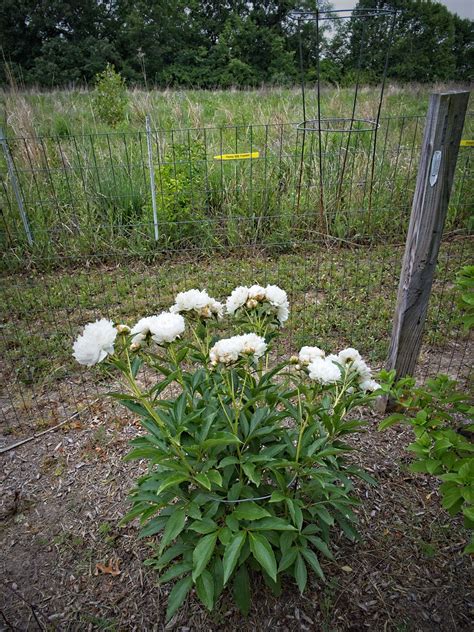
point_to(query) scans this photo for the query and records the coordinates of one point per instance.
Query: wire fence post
(152, 175)
(443, 129)
(16, 187)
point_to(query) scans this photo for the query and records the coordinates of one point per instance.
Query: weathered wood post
(444, 124)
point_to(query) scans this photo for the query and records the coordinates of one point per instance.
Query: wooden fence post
(443, 129)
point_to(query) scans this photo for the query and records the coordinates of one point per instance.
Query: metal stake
(16, 187)
(152, 176)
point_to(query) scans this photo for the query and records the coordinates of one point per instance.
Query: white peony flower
(276, 296)
(251, 343)
(252, 296)
(324, 371)
(165, 327)
(308, 354)
(362, 369)
(237, 298)
(216, 308)
(369, 385)
(228, 350)
(192, 299)
(141, 330)
(279, 299)
(349, 355)
(199, 301)
(282, 313)
(257, 292)
(95, 343)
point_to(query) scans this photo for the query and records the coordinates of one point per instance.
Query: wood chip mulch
(66, 565)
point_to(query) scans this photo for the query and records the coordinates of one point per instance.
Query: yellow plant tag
(245, 156)
(467, 143)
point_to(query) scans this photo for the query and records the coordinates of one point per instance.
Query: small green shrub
(110, 96)
(441, 417)
(465, 285)
(247, 459)
(181, 195)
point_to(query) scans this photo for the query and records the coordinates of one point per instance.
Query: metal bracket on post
(443, 129)
(152, 175)
(16, 186)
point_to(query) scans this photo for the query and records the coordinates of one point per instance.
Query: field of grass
(339, 297)
(29, 112)
(87, 188)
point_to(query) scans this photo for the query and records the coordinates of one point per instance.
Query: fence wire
(98, 248)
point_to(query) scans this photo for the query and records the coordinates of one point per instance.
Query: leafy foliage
(247, 462)
(110, 97)
(211, 43)
(441, 417)
(465, 285)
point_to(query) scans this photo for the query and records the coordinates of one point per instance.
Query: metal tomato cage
(363, 22)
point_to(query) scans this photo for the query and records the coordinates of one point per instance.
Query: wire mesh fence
(234, 205)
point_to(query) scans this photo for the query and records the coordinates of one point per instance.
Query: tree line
(222, 43)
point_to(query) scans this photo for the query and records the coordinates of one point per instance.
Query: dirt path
(65, 493)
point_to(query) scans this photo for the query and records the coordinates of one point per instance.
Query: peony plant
(247, 458)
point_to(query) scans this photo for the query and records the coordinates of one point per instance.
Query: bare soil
(64, 494)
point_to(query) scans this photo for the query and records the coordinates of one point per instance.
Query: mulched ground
(65, 493)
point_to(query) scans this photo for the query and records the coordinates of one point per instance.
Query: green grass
(87, 193)
(339, 297)
(72, 112)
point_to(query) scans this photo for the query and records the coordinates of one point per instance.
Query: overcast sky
(464, 8)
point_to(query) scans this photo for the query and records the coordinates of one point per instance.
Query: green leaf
(469, 513)
(301, 574)
(263, 553)
(287, 559)
(231, 554)
(171, 481)
(220, 438)
(171, 553)
(228, 460)
(178, 595)
(145, 452)
(324, 515)
(296, 513)
(153, 527)
(136, 364)
(203, 480)
(203, 553)
(241, 590)
(252, 473)
(174, 526)
(273, 523)
(391, 421)
(215, 477)
(451, 496)
(313, 561)
(204, 526)
(175, 571)
(250, 511)
(277, 496)
(205, 589)
(321, 545)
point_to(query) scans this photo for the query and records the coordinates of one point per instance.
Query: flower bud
(135, 346)
(205, 312)
(122, 329)
(294, 359)
(251, 303)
